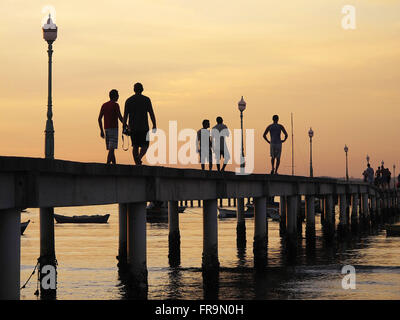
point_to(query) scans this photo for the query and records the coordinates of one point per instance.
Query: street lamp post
(311, 134)
(394, 176)
(50, 35)
(47, 260)
(346, 149)
(242, 107)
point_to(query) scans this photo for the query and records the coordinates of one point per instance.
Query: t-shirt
(110, 111)
(222, 134)
(370, 174)
(137, 107)
(204, 135)
(275, 130)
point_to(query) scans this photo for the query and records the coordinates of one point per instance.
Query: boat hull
(81, 219)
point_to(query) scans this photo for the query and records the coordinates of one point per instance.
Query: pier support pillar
(123, 235)
(291, 217)
(329, 216)
(137, 248)
(282, 211)
(354, 208)
(241, 224)
(260, 232)
(365, 206)
(343, 223)
(210, 236)
(174, 237)
(310, 216)
(47, 257)
(373, 212)
(10, 248)
(300, 216)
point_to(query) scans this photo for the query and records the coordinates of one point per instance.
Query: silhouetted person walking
(204, 145)
(219, 133)
(275, 129)
(136, 108)
(111, 113)
(369, 172)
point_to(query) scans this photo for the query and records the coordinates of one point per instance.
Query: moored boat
(272, 213)
(393, 230)
(82, 219)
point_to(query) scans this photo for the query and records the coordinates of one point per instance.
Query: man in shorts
(111, 113)
(275, 129)
(204, 145)
(137, 108)
(219, 133)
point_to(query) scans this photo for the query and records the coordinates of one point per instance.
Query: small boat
(161, 208)
(392, 230)
(226, 213)
(181, 209)
(272, 213)
(82, 219)
(23, 226)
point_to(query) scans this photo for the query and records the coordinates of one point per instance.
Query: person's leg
(135, 153)
(272, 164)
(142, 152)
(202, 166)
(278, 161)
(224, 166)
(111, 156)
(210, 161)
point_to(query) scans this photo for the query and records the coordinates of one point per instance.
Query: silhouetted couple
(207, 142)
(137, 108)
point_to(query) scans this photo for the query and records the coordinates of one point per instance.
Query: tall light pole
(242, 107)
(346, 149)
(394, 176)
(50, 35)
(47, 257)
(311, 134)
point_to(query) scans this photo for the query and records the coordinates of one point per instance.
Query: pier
(46, 184)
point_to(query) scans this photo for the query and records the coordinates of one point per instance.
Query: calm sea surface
(87, 267)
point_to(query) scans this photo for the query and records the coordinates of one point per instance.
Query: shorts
(139, 138)
(276, 150)
(204, 157)
(224, 152)
(112, 138)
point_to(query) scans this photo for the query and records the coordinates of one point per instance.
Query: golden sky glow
(195, 60)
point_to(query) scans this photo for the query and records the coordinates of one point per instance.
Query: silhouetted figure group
(383, 177)
(208, 143)
(135, 123)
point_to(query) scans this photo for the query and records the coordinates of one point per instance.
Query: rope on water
(33, 272)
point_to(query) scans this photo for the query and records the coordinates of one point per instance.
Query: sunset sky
(196, 59)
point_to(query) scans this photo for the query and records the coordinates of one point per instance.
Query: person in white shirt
(204, 145)
(218, 134)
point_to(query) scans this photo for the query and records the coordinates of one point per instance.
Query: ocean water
(87, 265)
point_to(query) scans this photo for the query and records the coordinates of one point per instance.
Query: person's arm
(101, 123)
(198, 141)
(120, 115)
(285, 133)
(152, 116)
(125, 119)
(265, 134)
